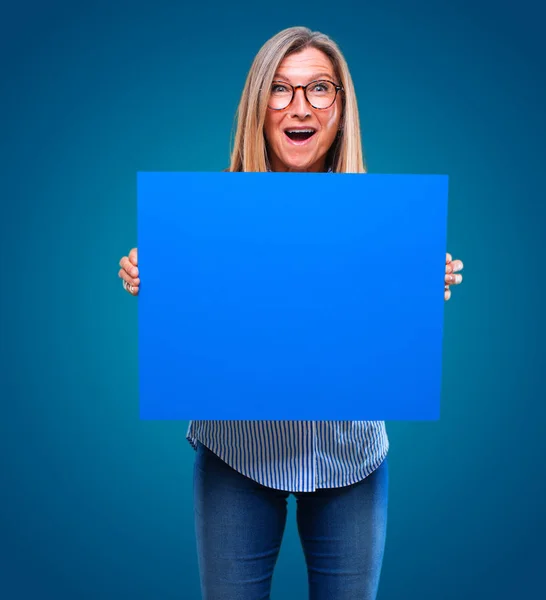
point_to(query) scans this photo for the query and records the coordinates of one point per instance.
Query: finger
(448, 257)
(457, 265)
(133, 256)
(131, 289)
(453, 279)
(447, 293)
(129, 267)
(130, 280)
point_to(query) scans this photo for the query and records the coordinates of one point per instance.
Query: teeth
(300, 131)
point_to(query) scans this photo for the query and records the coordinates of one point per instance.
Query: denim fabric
(240, 524)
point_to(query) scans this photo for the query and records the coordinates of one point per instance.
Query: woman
(298, 112)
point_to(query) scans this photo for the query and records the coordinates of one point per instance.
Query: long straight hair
(249, 153)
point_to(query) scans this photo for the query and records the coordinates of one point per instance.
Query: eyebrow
(313, 77)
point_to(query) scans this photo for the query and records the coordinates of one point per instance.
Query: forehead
(306, 63)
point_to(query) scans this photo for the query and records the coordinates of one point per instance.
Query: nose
(299, 106)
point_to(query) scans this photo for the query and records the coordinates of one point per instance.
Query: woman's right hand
(129, 272)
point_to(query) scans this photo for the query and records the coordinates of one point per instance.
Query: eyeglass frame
(338, 88)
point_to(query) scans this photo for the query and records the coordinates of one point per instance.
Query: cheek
(330, 128)
(271, 126)
(330, 123)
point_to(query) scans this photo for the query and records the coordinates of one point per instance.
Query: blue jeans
(240, 524)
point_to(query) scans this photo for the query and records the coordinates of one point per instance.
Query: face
(292, 151)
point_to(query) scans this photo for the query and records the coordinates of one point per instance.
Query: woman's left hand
(452, 275)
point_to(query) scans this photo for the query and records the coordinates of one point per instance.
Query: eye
(278, 88)
(321, 87)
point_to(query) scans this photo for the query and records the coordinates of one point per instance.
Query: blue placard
(291, 295)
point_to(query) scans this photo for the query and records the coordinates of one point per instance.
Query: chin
(299, 164)
(298, 167)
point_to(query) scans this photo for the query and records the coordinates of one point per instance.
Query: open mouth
(300, 135)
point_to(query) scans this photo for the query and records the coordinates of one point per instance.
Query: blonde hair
(249, 151)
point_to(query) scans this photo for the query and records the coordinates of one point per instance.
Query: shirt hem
(357, 476)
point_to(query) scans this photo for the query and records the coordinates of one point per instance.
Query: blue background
(283, 306)
(96, 503)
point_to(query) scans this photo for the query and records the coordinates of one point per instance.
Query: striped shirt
(296, 456)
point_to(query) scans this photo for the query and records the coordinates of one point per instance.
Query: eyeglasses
(320, 94)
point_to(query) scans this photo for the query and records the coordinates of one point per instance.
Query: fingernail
(458, 278)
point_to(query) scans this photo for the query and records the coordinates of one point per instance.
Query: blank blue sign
(305, 296)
